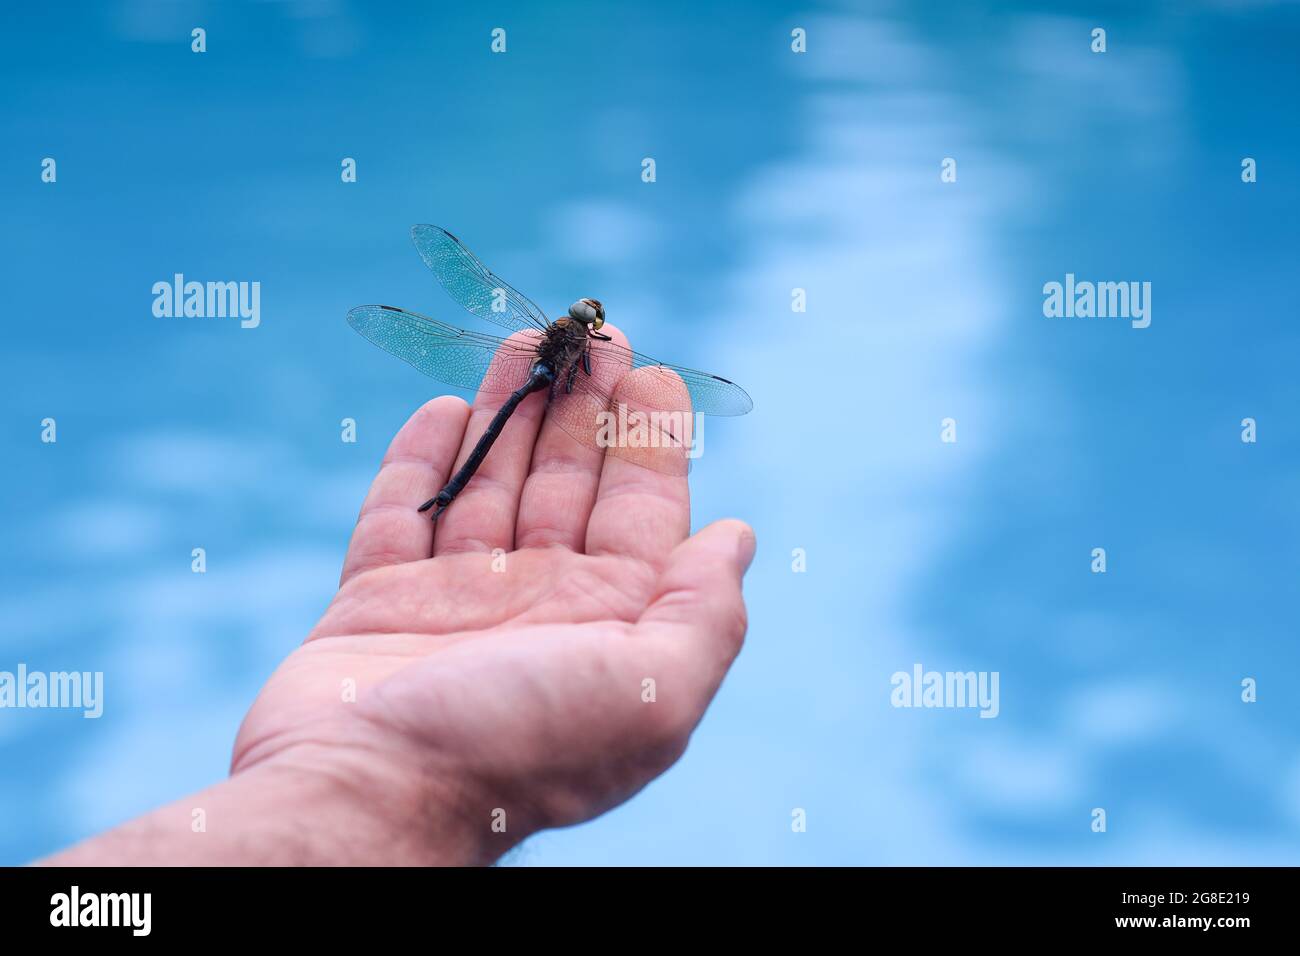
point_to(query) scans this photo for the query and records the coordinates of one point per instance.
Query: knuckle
(670, 720)
(734, 625)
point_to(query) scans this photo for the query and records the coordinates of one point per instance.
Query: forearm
(292, 813)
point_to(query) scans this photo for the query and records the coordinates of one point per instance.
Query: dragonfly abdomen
(539, 378)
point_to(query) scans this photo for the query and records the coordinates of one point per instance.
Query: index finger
(643, 505)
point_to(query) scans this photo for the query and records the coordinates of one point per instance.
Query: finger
(643, 504)
(389, 529)
(561, 485)
(482, 518)
(697, 614)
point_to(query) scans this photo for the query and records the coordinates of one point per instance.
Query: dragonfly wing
(455, 356)
(473, 284)
(709, 394)
(639, 409)
(670, 387)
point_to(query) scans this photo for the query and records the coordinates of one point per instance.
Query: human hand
(500, 657)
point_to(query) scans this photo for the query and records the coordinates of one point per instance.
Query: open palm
(539, 654)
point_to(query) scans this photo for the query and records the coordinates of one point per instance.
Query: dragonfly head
(588, 311)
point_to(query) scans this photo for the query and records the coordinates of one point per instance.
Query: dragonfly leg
(602, 336)
(573, 373)
(586, 361)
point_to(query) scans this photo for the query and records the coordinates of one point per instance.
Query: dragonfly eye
(589, 311)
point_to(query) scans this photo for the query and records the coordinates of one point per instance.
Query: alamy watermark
(654, 429)
(210, 300)
(73, 690)
(130, 910)
(1101, 300)
(922, 688)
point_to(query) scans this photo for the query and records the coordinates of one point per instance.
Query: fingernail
(745, 548)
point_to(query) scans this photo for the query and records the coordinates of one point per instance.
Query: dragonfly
(603, 395)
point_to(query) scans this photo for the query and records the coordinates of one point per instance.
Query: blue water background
(775, 171)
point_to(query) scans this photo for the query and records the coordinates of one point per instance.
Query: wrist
(355, 807)
(309, 805)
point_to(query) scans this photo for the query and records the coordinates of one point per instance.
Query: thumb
(698, 602)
